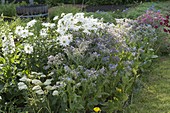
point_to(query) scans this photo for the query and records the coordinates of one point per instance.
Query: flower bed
(76, 64)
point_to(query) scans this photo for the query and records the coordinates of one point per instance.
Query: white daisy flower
(24, 33)
(43, 32)
(65, 39)
(28, 48)
(18, 30)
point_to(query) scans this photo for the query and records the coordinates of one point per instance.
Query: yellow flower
(97, 109)
(119, 90)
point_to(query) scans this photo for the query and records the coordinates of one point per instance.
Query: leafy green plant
(8, 9)
(106, 16)
(73, 65)
(62, 9)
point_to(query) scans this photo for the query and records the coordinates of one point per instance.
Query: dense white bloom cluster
(65, 40)
(38, 86)
(48, 25)
(63, 29)
(23, 32)
(121, 29)
(77, 22)
(70, 22)
(8, 45)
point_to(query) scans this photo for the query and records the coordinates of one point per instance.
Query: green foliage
(94, 70)
(97, 69)
(54, 2)
(8, 9)
(107, 16)
(140, 9)
(58, 10)
(96, 2)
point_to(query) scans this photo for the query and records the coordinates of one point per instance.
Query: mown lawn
(154, 97)
(140, 9)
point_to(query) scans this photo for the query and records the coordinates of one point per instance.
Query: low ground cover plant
(75, 64)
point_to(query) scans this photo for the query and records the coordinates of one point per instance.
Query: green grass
(58, 10)
(140, 9)
(133, 12)
(107, 16)
(154, 97)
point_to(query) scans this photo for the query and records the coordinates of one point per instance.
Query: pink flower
(167, 16)
(165, 30)
(161, 23)
(155, 27)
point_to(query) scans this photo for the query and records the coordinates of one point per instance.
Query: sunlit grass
(134, 12)
(154, 97)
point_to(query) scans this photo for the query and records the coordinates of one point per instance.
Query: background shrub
(97, 2)
(8, 9)
(62, 9)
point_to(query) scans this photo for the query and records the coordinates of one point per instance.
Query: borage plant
(75, 65)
